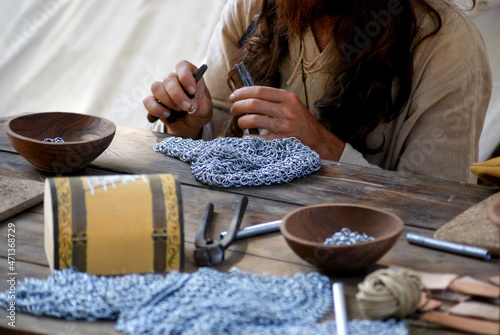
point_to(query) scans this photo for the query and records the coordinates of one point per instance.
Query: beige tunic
(437, 133)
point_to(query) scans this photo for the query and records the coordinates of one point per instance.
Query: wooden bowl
(85, 138)
(306, 229)
(494, 212)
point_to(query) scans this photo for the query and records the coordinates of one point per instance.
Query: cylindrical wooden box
(115, 224)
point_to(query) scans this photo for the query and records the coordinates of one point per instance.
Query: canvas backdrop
(100, 56)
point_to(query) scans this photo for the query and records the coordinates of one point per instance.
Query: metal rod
(460, 249)
(258, 229)
(339, 308)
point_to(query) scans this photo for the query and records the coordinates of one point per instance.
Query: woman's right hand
(172, 94)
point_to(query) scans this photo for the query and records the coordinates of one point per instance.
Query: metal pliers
(210, 252)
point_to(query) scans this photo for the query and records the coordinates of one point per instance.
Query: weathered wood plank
(411, 197)
(13, 165)
(334, 182)
(29, 238)
(272, 247)
(244, 262)
(423, 203)
(29, 324)
(23, 270)
(131, 152)
(18, 195)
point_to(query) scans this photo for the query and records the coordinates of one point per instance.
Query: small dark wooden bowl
(494, 212)
(85, 138)
(306, 229)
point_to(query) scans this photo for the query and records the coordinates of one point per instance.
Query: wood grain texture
(406, 195)
(85, 137)
(424, 204)
(306, 229)
(17, 195)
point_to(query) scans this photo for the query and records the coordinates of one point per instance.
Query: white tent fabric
(96, 57)
(100, 56)
(489, 25)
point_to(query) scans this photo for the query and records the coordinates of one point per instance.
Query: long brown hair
(358, 96)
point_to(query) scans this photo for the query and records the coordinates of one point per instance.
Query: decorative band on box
(114, 224)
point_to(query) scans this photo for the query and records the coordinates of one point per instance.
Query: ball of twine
(388, 293)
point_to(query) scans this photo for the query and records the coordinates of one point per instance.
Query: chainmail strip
(248, 161)
(203, 302)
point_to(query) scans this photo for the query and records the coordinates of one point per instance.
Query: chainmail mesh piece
(204, 302)
(248, 161)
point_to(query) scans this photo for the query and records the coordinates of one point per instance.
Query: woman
(401, 84)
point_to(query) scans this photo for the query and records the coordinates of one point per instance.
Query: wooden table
(424, 204)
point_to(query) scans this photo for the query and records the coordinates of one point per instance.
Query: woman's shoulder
(236, 16)
(457, 48)
(242, 11)
(456, 26)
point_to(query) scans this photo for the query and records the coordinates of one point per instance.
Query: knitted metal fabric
(248, 161)
(204, 302)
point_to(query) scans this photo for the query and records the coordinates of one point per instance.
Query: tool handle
(176, 115)
(255, 230)
(201, 234)
(460, 249)
(235, 224)
(340, 309)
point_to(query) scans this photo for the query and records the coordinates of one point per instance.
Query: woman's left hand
(283, 115)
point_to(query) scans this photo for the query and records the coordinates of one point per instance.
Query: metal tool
(244, 75)
(255, 230)
(210, 252)
(175, 115)
(340, 309)
(460, 249)
(243, 78)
